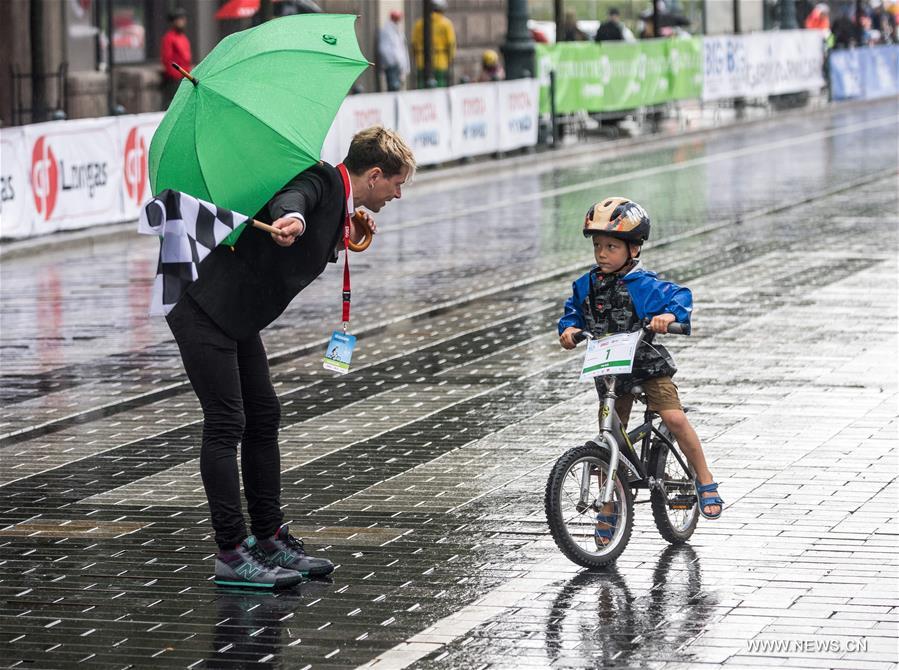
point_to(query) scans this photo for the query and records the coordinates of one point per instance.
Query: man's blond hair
(381, 147)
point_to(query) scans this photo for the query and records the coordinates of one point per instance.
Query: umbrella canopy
(259, 111)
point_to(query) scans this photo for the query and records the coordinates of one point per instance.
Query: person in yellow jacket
(443, 46)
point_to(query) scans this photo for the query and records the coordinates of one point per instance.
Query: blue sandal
(604, 535)
(707, 502)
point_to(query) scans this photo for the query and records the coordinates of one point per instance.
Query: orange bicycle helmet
(618, 217)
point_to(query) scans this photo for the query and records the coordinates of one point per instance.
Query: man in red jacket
(175, 48)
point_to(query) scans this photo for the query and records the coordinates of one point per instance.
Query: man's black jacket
(243, 290)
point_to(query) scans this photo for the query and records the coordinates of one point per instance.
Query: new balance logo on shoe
(248, 571)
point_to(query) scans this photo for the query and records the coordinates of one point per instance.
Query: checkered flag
(188, 229)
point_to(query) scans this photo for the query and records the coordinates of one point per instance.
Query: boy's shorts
(660, 392)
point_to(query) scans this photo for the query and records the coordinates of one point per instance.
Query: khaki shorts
(660, 392)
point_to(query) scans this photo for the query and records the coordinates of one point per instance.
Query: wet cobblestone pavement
(421, 474)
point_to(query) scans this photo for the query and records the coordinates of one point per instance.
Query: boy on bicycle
(614, 297)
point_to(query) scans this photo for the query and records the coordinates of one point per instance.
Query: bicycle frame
(614, 436)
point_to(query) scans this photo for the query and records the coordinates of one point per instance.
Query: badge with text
(610, 355)
(340, 352)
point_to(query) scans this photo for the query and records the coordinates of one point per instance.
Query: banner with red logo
(359, 112)
(135, 133)
(518, 100)
(423, 120)
(75, 172)
(16, 207)
(475, 126)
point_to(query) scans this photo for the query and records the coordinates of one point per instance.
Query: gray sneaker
(287, 551)
(246, 565)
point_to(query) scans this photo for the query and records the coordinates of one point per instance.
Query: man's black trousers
(231, 378)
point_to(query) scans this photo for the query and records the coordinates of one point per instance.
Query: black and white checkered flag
(189, 229)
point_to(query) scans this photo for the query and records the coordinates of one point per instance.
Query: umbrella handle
(359, 219)
(267, 228)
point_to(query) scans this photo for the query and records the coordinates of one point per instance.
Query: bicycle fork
(608, 434)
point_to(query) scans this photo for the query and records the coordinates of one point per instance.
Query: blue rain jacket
(650, 295)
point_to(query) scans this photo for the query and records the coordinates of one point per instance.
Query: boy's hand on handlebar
(659, 324)
(566, 339)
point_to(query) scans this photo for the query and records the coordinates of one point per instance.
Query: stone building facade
(69, 33)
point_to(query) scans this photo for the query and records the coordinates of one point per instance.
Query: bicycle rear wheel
(572, 522)
(673, 499)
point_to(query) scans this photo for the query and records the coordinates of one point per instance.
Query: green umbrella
(256, 111)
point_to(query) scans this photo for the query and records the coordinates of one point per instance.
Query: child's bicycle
(590, 513)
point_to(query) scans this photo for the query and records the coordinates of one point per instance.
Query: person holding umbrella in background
(240, 133)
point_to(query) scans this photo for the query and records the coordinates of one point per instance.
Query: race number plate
(610, 355)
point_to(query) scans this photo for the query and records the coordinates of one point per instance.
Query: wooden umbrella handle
(267, 228)
(359, 219)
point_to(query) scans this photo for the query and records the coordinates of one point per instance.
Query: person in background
(883, 21)
(818, 18)
(393, 52)
(174, 48)
(612, 29)
(570, 31)
(443, 46)
(844, 30)
(491, 70)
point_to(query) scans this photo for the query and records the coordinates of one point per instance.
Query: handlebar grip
(675, 328)
(579, 337)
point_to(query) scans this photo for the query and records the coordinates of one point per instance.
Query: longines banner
(135, 133)
(75, 170)
(16, 208)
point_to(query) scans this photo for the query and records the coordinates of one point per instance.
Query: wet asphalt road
(421, 473)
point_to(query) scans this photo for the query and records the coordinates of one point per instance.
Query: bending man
(216, 324)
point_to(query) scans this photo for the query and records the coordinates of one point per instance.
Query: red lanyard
(348, 189)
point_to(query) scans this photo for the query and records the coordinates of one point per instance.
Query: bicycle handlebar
(677, 328)
(674, 328)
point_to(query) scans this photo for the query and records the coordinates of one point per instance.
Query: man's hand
(357, 232)
(659, 324)
(291, 228)
(566, 339)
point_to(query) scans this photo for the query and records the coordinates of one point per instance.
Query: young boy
(614, 297)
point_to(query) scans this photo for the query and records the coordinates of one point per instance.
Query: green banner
(614, 76)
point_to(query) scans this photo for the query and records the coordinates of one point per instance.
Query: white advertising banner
(760, 64)
(75, 170)
(518, 103)
(359, 112)
(475, 126)
(16, 206)
(135, 133)
(423, 120)
(331, 147)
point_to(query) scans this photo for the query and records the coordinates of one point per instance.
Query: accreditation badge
(339, 352)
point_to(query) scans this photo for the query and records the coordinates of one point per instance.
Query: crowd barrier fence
(864, 74)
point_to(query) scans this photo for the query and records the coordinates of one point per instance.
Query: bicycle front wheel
(673, 497)
(572, 512)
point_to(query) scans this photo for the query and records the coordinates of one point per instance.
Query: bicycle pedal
(682, 502)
